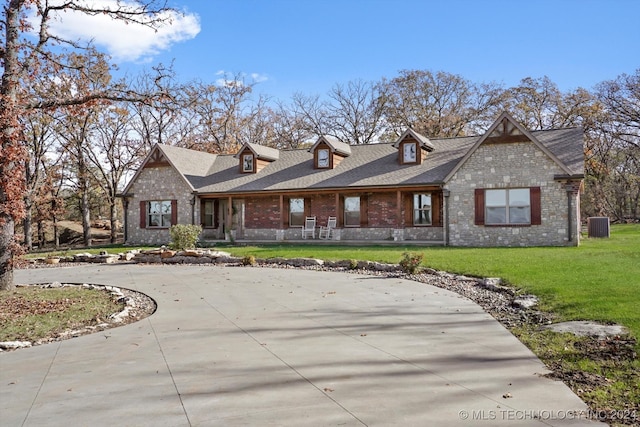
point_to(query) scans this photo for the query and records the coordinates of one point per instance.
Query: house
(508, 187)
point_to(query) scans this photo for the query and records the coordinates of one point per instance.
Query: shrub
(184, 236)
(353, 264)
(410, 262)
(249, 260)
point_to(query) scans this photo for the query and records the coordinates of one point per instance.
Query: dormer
(328, 152)
(253, 157)
(412, 148)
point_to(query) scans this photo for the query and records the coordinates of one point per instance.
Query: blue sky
(308, 46)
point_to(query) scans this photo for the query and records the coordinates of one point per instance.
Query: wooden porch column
(281, 212)
(399, 222)
(229, 212)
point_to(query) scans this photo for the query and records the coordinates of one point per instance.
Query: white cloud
(238, 79)
(125, 42)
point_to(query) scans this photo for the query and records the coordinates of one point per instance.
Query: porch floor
(213, 242)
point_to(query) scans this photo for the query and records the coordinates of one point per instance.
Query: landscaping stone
(191, 253)
(13, 345)
(304, 262)
(585, 328)
(167, 254)
(525, 301)
(147, 258)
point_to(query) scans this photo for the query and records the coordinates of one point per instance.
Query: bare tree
(222, 116)
(621, 99)
(113, 153)
(353, 112)
(289, 127)
(356, 112)
(157, 119)
(38, 132)
(24, 57)
(437, 104)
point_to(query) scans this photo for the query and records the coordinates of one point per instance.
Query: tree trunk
(26, 224)
(85, 210)
(7, 230)
(86, 217)
(42, 240)
(56, 233)
(113, 220)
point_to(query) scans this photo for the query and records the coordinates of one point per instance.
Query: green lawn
(599, 280)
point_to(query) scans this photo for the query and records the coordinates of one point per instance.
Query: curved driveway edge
(231, 346)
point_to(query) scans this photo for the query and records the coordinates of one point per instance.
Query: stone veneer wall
(511, 166)
(157, 183)
(431, 234)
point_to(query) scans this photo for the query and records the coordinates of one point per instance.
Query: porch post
(400, 219)
(281, 212)
(193, 208)
(229, 213)
(445, 213)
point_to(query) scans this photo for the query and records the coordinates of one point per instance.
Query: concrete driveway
(235, 346)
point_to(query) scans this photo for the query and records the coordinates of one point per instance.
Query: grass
(32, 313)
(94, 250)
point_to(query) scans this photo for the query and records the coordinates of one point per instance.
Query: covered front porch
(357, 216)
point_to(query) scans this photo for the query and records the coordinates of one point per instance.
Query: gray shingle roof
(261, 151)
(188, 162)
(373, 165)
(566, 145)
(336, 145)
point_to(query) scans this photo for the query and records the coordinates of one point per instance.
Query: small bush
(184, 236)
(249, 260)
(410, 262)
(353, 264)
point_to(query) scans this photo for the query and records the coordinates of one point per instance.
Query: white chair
(309, 227)
(325, 232)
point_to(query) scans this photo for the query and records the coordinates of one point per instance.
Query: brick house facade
(508, 187)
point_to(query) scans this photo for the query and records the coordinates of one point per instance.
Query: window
(247, 163)
(296, 212)
(508, 206)
(208, 213)
(409, 152)
(352, 211)
(323, 158)
(159, 213)
(422, 209)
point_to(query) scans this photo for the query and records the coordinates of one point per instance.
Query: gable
(156, 159)
(506, 130)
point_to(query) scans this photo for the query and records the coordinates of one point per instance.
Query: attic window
(323, 158)
(409, 152)
(247, 163)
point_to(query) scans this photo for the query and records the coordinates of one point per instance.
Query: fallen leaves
(19, 306)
